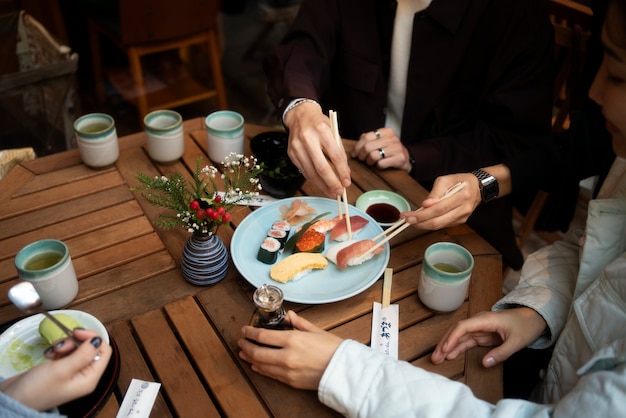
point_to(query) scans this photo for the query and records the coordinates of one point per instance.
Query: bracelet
(295, 103)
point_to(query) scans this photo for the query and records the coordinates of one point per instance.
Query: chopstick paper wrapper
(385, 321)
(139, 399)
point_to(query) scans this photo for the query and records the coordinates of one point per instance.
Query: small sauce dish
(382, 205)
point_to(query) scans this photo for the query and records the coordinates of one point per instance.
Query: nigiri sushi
(331, 253)
(352, 255)
(340, 231)
(325, 225)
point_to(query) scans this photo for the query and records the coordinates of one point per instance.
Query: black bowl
(280, 178)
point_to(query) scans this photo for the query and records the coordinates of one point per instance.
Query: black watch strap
(488, 185)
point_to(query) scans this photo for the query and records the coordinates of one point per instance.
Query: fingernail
(49, 351)
(96, 341)
(490, 361)
(59, 344)
(79, 328)
(411, 219)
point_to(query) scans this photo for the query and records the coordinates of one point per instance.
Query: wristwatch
(488, 185)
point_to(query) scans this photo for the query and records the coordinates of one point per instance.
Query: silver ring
(377, 135)
(381, 152)
(97, 357)
(301, 171)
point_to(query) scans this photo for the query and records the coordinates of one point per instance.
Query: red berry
(217, 199)
(200, 213)
(226, 217)
(194, 205)
(215, 216)
(221, 210)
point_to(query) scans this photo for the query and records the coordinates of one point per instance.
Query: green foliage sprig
(198, 205)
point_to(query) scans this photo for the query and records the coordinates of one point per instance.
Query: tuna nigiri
(350, 255)
(331, 253)
(340, 231)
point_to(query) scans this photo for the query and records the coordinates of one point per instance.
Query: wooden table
(184, 336)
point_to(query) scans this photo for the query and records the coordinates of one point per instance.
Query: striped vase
(204, 260)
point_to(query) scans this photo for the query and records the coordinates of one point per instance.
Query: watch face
(488, 185)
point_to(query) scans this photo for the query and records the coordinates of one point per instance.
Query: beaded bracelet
(295, 103)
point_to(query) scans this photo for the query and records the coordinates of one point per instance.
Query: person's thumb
(300, 323)
(498, 355)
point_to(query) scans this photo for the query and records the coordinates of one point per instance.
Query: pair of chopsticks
(401, 224)
(387, 287)
(334, 126)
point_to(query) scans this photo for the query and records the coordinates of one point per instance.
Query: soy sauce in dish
(383, 212)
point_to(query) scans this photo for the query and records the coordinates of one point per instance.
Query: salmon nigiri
(352, 254)
(340, 231)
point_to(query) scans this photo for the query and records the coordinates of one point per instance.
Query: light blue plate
(319, 286)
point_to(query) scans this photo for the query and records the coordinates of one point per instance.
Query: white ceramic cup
(445, 277)
(164, 129)
(97, 140)
(48, 266)
(225, 134)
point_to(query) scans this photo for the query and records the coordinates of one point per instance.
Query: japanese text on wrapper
(385, 327)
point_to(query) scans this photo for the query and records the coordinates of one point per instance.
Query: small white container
(225, 134)
(165, 137)
(446, 272)
(97, 140)
(48, 266)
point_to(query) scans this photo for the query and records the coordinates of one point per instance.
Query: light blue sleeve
(10, 408)
(360, 382)
(547, 283)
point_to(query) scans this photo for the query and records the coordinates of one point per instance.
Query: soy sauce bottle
(269, 312)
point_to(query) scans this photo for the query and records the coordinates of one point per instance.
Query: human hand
(510, 330)
(301, 356)
(74, 373)
(384, 150)
(437, 213)
(310, 142)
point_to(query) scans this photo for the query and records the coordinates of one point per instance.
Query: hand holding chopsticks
(401, 225)
(334, 126)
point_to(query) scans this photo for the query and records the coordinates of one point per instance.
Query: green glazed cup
(445, 277)
(48, 266)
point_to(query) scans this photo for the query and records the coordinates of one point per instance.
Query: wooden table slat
(232, 391)
(179, 380)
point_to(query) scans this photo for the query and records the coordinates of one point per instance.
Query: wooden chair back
(571, 22)
(146, 21)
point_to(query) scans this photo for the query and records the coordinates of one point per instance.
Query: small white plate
(367, 199)
(21, 346)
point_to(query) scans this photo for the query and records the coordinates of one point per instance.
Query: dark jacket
(479, 85)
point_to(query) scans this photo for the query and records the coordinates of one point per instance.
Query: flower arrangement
(197, 205)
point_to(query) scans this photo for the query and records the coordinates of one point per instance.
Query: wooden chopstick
(387, 287)
(334, 125)
(398, 223)
(452, 190)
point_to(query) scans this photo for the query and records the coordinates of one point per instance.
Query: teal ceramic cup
(165, 139)
(445, 277)
(224, 134)
(97, 140)
(48, 266)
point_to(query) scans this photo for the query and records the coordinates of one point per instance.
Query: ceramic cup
(445, 277)
(97, 140)
(48, 266)
(164, 129)
(225, 134)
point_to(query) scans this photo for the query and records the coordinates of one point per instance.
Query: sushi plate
(319, 286)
